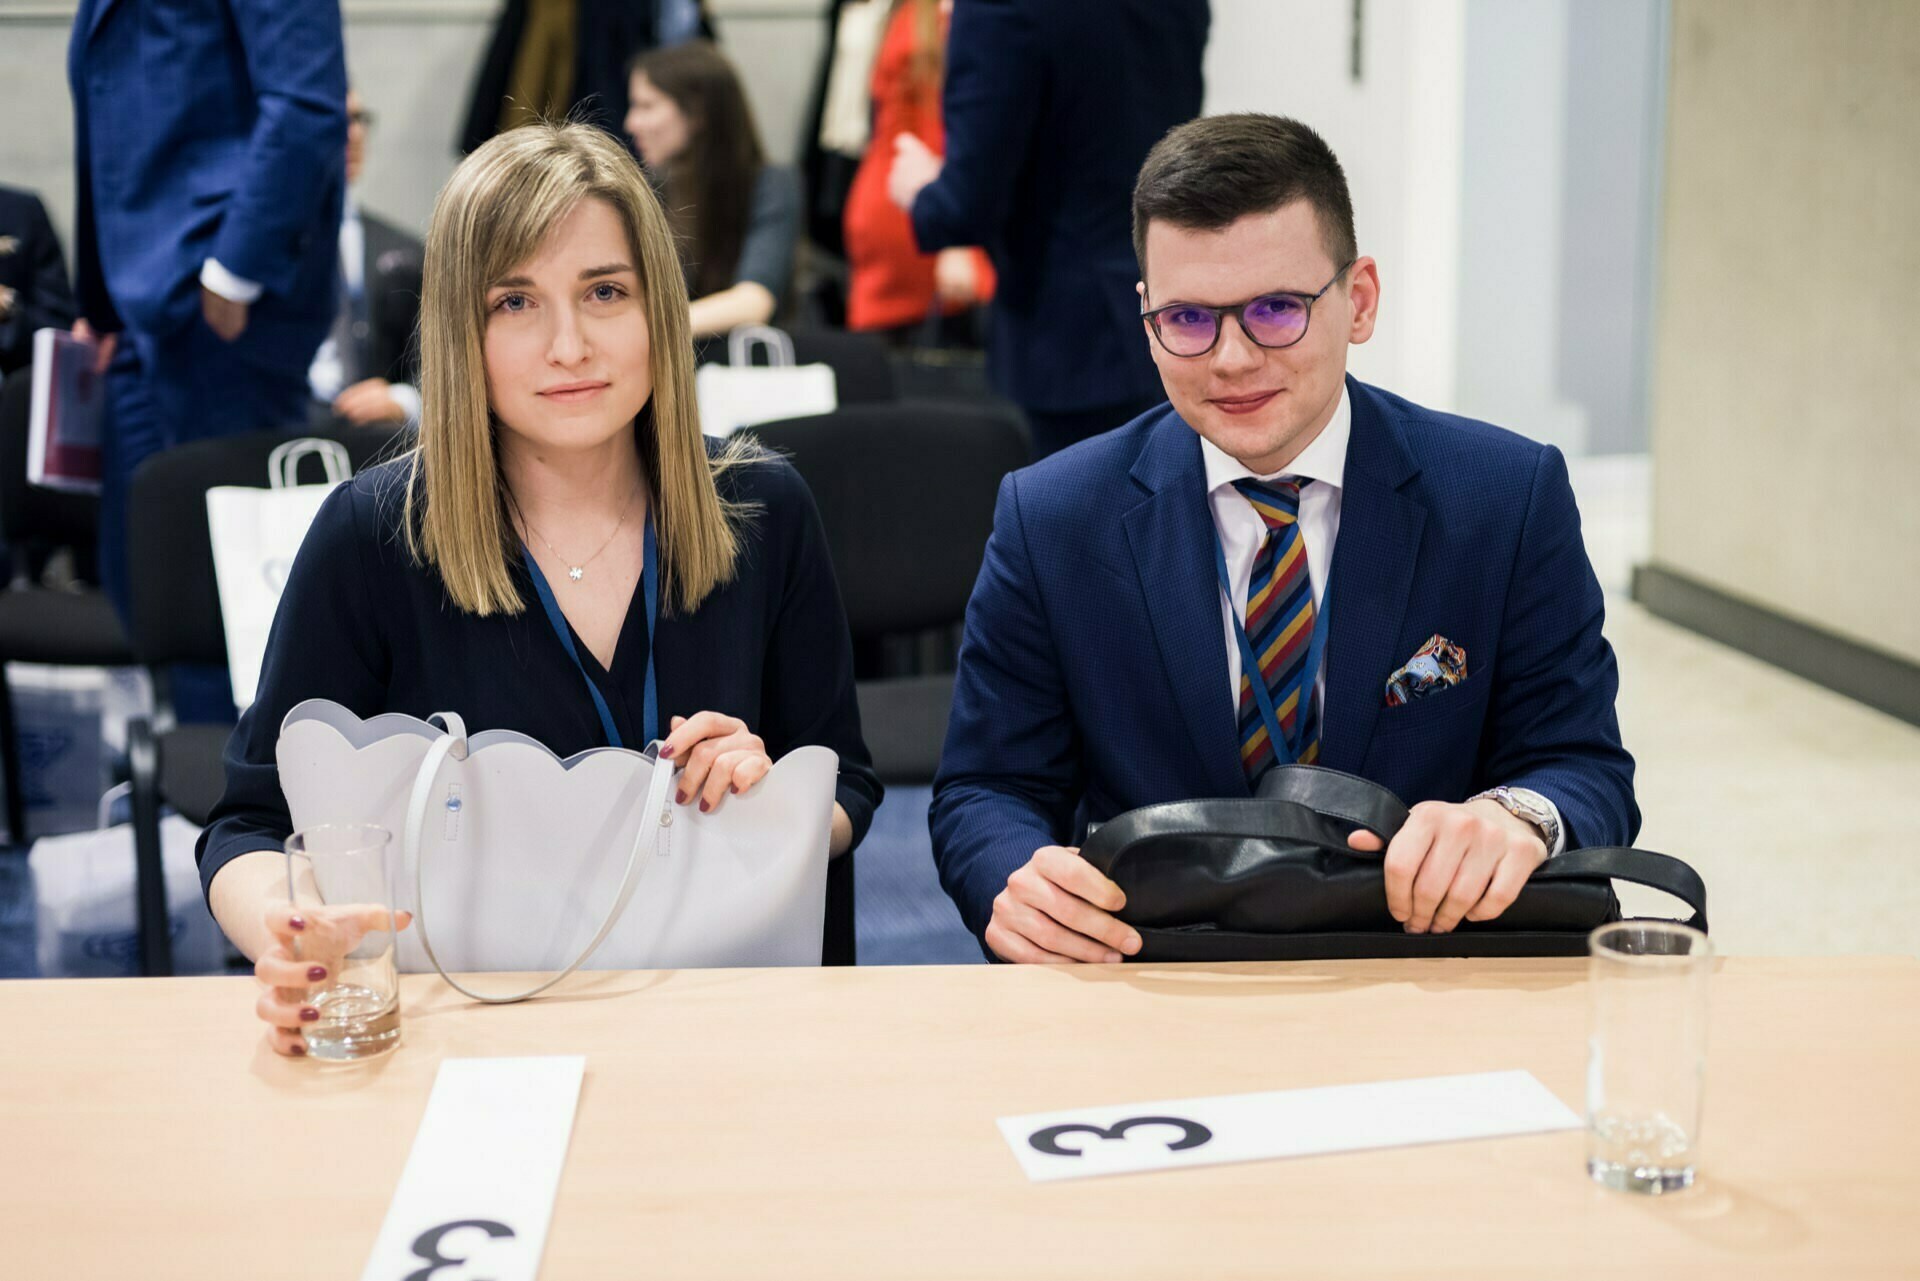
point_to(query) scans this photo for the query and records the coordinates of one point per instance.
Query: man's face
(1260, 405)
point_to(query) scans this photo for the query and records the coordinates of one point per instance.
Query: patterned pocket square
(1439, 665)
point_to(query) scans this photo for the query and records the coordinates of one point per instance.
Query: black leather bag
(1272, 878)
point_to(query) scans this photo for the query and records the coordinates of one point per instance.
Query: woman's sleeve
(325, 643)
(807, 690)
(773, 228)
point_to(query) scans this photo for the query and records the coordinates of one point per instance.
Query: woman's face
(659, 129)
(567, 349)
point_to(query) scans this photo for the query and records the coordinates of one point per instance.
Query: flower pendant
(576, 572)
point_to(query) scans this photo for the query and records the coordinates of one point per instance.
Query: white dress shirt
(326, 376)
(1241, 531)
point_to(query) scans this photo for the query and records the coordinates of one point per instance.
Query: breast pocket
(1462, 705)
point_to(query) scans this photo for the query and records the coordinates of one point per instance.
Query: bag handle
(1271, 818)
(777, 343)
(283, 464)
(453, 743)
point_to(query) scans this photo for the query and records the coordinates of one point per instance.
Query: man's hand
(7, 296)
(1058, 908)
(1451, 863)
(953, 277)
(224, 316)
(103, 344)
(369, 401)
(914, 166)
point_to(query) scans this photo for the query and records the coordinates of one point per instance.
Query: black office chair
(862, 366)
(66, 627)
(904, 565)
(176, 619)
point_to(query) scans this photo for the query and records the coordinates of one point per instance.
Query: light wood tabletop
(840, 1123)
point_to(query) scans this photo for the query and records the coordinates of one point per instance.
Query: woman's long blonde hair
(492, 216)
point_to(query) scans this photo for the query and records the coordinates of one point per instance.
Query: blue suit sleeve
(297, 155)
(1010, 775)
(995, 76)
(1552, 725)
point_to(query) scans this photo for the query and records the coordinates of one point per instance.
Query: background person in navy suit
(209, 143)
(1050, 107)
(34, 293)
(1100, 669)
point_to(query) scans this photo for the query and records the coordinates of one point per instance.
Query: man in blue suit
(1410, 587)
(210, 138)
(1050, 106)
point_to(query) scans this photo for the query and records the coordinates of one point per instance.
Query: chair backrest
(906, 492)
(27, 512)
(175, 600)
(862, 366)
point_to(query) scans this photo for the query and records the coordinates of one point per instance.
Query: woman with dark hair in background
(736, 217)
(891, 285)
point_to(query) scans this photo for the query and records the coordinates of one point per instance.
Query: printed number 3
(427, 1246)
(1192, 1135)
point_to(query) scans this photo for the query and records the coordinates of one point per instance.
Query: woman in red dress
(891, 284)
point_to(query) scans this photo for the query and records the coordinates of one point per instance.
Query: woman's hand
(323, 937)
(716, 756)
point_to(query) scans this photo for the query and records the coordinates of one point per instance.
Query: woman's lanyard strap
(1250, 669)
(650, 586)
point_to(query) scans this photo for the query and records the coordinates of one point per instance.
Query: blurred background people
(363, 372)
(567, 59)
(892, 286)
(1051, 105)
(210, 172)
(34, 292)
(736, 217)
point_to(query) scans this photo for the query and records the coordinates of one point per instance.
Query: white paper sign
(477, 1193)
(1252, 1127)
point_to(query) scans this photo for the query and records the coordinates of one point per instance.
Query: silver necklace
(578, 572)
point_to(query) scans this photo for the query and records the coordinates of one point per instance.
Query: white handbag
(743, 394)
(512, 859)
(256, 533)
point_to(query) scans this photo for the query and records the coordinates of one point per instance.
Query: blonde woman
(559, 456)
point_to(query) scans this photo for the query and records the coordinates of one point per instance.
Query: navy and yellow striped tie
(1279, 625)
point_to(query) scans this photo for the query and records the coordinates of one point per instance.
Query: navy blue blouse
(362, 624)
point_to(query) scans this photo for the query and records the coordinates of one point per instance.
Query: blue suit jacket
(1093, 672)
(1050, 107)
(210, 128)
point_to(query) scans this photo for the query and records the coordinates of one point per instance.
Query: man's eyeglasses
(1277, 320)
(362, 117)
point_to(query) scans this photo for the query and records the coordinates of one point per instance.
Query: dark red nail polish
(666, 753)
(704, 807)
(297, 1049)
(735, 789)
(316, 973)
(679, 798)
(297, 922)
(309, 1015)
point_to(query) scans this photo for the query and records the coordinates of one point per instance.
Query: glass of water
(1646, 1054)
(339, 878)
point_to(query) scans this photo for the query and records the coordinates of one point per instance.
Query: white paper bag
(256, 534)
(87, 916)
(66, 408)
(527, 854)
(743, 394)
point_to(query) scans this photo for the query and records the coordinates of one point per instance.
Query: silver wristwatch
(1529, 807)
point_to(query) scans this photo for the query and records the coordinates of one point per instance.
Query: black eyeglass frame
(1238, 312)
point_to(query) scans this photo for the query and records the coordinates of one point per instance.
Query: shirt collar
(1324, 460)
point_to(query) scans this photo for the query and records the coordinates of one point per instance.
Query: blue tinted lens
(1277, 320)
(1187, 330)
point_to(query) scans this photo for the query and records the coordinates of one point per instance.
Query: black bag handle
(1312, 803)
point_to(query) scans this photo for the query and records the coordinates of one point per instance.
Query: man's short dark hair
(1209, 173)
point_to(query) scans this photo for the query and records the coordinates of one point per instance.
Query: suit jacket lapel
(1170, 533)
(99, 13)
(1371, 579)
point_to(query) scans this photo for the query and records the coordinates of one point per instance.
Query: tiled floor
(1796, 805)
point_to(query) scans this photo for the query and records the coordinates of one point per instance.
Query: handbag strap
(454, 743)
(777, 343)
(283, 464)
(1322, 806)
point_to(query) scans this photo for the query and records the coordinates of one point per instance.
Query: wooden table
(840, 1123)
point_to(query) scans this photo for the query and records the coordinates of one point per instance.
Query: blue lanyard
(650, 584)
(1250, 665)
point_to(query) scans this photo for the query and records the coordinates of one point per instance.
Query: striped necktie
(1279, 626)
